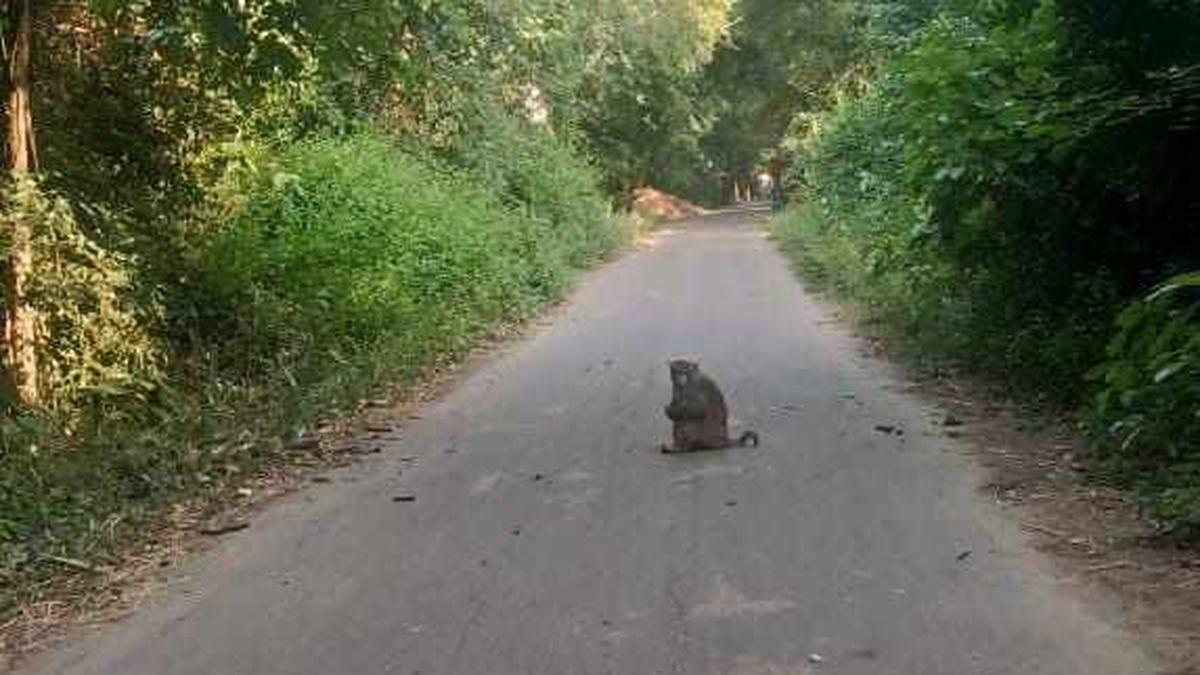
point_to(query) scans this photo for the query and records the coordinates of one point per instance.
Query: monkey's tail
(748, 438)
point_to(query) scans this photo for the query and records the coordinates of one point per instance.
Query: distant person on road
(777, 198)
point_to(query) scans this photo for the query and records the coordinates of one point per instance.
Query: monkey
(698, 412)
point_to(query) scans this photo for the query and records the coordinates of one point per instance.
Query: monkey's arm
(686, 408)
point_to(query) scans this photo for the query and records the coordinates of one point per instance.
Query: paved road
(554, 540)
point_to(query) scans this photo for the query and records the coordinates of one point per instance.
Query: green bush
(1145, 413)
(352, 242)
(541, 175)
(93, 334)
(860, 233)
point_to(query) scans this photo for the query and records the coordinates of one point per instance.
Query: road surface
(548, 537)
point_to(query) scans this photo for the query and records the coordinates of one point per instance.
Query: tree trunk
(19, 318)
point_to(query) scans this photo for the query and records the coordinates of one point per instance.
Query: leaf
(1168, 371)
(1187, 280)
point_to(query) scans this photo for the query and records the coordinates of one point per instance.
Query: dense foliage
(1004, 179)
(1145, 412)
(353, 245)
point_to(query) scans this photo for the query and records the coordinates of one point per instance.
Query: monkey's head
(682, 370)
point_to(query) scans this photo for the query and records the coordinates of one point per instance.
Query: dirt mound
(658, 205)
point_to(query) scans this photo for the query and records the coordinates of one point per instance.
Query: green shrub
(1145, 413)
(353, 243)
(93, 334)
(859, 232)
(543, 176)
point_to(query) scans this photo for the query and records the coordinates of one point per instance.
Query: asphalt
(549, 537)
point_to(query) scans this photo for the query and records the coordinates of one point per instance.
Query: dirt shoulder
(1094, 533)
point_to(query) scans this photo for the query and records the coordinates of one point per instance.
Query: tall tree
(19, 327)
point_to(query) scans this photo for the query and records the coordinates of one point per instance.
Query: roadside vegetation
(224, 220)
(1008, 187)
